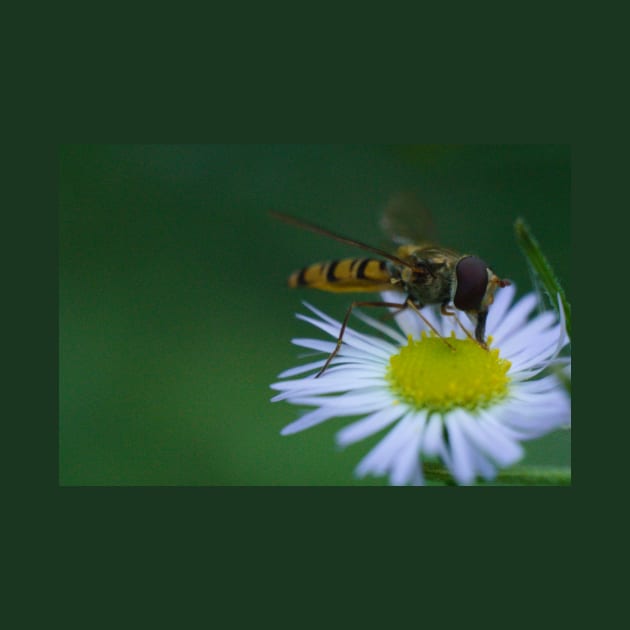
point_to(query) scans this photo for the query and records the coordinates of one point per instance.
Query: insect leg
(345, 324)
(392, 314)
(413, 307)
(470, 336)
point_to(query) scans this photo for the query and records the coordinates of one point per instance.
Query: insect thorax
(431, 287)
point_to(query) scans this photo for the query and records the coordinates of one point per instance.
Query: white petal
(300, 369)
(336, 325)
(484, 467)
(379, 460)
(434, 318)
(462, 460)
(354, 370)
(433, 437)
(410, 323)
(305, 387)
(355, 340)
(395, 297)
(447, 325)
(496, 426)
(502, 301)
(534, 420)
(407, 320)
(349, 333)
(520, 376)
(495, 443)
(515, 318)
(348, 352)
(308, 420)
(321, 314)
(386, 330)
(542, 358)
(527, 398)
(544, 384)
(539, 354)
(352, 374)
(407, 463)
(352, 401)
(370, 425)
(523, 336)
(343, 387)
(314, 344)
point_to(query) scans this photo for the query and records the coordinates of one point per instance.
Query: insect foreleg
(467, 332)
(345, 324)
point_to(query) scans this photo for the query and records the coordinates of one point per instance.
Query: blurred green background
(174, 311)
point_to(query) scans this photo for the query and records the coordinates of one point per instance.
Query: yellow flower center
(429, 375)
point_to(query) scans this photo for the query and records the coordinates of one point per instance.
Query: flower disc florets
(428, 374)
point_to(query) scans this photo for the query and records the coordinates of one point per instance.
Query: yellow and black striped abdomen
(346, 275)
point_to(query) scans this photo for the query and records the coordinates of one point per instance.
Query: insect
(424, 273)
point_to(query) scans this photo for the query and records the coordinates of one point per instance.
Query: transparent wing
(406, 220)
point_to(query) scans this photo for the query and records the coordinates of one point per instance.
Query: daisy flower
(469, 409)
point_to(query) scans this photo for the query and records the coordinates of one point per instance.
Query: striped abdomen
(349, 274)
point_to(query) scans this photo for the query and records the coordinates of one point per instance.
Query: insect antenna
(342, 239)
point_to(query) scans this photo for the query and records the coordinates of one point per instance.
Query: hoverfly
(424, 273)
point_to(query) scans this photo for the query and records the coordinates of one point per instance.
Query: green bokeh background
(174, 311)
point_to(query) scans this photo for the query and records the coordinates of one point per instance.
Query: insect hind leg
(344, 325)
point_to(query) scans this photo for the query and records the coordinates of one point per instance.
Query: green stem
(520, 476)
(542, 268)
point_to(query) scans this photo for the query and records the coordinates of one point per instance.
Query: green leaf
(542, 269)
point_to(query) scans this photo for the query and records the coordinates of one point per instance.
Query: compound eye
(472, 282)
